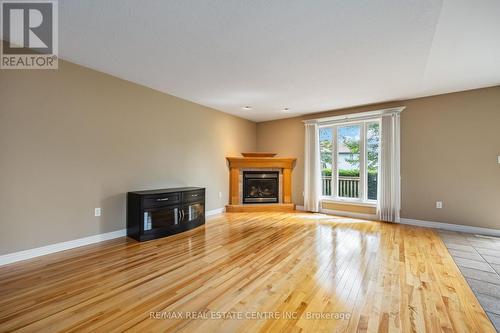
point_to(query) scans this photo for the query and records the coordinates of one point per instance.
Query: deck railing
(348, 186)
(326, 185)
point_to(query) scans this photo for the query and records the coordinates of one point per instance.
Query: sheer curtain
(389, 198)
(312, 175)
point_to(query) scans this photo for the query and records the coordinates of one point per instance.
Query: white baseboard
(299, 208)
(215, 211)
(372, 217)
(452, 227)
(48, 249)
(52, 248)
(421, 223)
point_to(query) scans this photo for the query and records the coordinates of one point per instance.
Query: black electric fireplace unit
(260, 187)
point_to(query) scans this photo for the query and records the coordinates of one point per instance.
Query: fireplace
(260, 187)
(260, 182)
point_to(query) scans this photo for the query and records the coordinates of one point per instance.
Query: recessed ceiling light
(286, 109)
(247, 108)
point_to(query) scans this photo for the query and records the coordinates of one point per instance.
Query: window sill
(349, 202)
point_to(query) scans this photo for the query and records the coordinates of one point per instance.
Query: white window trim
(352, 119)
(354, 116)
(363, 184)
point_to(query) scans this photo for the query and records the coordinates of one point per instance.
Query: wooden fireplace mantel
(261, 162)
(237, 163)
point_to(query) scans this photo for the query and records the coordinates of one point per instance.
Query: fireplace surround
(260, 163)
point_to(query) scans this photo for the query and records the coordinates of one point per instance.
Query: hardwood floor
(366, 276)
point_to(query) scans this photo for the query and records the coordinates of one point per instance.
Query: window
(348, 161)
(349, 156)
(372, 157)
(326, 149)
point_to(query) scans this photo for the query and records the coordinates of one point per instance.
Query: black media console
(159, 213)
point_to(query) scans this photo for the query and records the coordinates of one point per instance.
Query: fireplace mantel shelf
(238, 163)
(261, 162)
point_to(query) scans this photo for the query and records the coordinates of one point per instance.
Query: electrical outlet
(220, 195)
(97, 212)
(498, 157)
(439, 204)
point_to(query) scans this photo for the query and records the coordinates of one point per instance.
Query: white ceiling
(307, 55)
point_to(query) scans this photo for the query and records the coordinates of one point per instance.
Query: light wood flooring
(301, 272)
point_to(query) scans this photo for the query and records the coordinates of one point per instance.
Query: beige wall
(449, 145)
(75, 139)
(349, 208)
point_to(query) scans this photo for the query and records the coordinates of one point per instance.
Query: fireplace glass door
(260, 186)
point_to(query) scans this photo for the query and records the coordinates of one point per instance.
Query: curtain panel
(312, 173)
(389, 196)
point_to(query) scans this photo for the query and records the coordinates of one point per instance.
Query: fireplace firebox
(260, 186)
